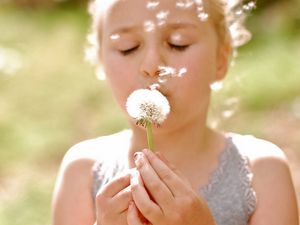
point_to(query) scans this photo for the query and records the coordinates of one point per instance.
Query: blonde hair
(228, 16)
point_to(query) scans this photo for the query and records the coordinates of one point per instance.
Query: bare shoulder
(74, 181)
(98, 148)
(272, 182)
(79, 159)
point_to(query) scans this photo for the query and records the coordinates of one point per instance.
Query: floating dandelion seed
(161, 17)
(100, 74)
(239, 35)
(149, 26)
(166, 72)
(216, 86)
(202, 15)
(163, 79)
(182, 72)
(154, 86)
(184, 4)
(236, 12)
(249, 6)
(152, 4)
(148, 107)
(231, 107)
(115, 37)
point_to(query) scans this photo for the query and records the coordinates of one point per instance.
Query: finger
(166, 161)
(115, 186)
(121, 200)
(173, 181)
(141, 198)
(156, 187)
(172, 167)
(133, 217)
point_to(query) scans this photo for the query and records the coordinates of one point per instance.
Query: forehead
(120, 13)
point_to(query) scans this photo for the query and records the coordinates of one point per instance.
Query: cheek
(119, 78)
(200, 72)
(193, 89)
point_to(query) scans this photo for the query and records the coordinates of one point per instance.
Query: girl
(196, 175)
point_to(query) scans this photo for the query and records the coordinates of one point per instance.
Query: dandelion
(148, 107)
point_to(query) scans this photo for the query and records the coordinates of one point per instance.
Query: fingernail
(137, 156)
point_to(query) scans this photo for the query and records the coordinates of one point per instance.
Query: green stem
(149, 135)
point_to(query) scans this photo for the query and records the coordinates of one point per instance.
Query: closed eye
(178, 47)
(129, 51)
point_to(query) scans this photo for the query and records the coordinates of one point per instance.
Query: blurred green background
(50, 98)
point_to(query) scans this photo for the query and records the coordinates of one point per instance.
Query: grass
(52, 100)
(269, 75)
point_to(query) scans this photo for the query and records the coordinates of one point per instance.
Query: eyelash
(178, 47)
(129, 51)
(172, 46)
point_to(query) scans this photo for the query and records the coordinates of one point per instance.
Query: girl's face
(138, 37)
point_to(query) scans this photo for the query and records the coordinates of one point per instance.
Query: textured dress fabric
(229, 193)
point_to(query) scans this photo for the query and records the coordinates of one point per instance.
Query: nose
(151, 61)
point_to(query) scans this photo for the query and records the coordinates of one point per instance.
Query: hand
(113, 200)
(163, 196)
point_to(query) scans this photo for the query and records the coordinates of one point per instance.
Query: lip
(158, 87)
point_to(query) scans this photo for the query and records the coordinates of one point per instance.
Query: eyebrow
(172, 25)
(178, 25)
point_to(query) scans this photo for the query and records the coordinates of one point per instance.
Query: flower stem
(149, 135)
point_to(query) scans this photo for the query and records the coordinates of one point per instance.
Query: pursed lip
(159, 87)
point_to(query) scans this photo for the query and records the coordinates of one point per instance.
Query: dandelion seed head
(148, 105)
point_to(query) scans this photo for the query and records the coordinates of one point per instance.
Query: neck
(193, 141)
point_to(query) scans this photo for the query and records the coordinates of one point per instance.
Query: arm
(72, 201)
(274, 188)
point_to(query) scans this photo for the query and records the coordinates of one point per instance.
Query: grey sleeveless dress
(229, 194)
